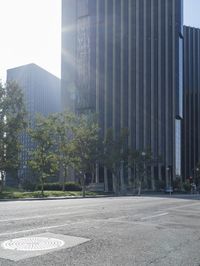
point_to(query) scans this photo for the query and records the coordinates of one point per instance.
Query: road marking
(182, 206)
(34, 229)
(21, 219)
(154, 216)
(44, 216)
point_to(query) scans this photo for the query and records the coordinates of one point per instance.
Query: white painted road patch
(32, 246)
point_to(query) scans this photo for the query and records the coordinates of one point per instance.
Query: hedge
(69, 186)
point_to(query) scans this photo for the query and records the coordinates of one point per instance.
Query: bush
(187, 186)
(28, 185)
(69, 186)
(177, 184)
(159, 185)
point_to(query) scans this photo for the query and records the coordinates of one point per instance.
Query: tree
(86, 143)
(115, 152)
(63, 127)
(12, 123)
(43, 159)
(196, 172)
(139, 162)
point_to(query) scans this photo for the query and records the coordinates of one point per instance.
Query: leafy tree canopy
(12, 123)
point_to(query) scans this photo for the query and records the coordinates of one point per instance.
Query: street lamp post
(196, 174)
(197, 169)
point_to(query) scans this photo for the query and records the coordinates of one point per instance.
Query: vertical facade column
(166, 93)
(113, 65)
(174, 88)
(122, 88)
(114, 93)
(68, 62)
(137, 77)
(106, 85)
(145, 130)
(97, 79)
(106, 98)
(152, 83)
(130, 120)
(97, 59)
(198, 90)
(159, 90)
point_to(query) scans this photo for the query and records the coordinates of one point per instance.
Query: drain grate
(33, 244)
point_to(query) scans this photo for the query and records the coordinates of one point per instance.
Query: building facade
(123, 60)
(42, 95)
(191, 122)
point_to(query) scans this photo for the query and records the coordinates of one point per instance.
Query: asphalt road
(122, 231)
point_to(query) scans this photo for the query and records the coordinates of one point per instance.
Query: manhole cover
(32, 244)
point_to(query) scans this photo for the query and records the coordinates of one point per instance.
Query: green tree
(115, 153)
(63, 127)
(86, 143)
(43, 158)
(12, 123)
(138, 163)
(196, 175)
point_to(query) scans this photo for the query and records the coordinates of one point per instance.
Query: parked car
(169, 189)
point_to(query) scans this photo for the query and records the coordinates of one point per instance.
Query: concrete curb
(57, 198)
(181, 196)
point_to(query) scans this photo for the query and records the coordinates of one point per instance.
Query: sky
(31, 32)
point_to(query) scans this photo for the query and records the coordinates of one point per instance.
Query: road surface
(118, 231)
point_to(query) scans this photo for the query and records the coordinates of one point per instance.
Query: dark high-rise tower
(42, 95)
(191, 122)
(123, 60)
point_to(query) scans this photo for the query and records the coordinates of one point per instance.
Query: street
(149, 230)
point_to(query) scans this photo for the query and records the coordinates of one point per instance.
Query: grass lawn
(17, 194)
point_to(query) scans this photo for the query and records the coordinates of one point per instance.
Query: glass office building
(191, 122)
(123, 60)
(41, 91)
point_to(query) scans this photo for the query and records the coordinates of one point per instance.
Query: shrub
(69, 186)
(159, 185)
(28, 185)
(187, 186)
(177, 183)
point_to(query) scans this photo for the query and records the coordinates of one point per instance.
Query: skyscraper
(42, 95)
(123, 60)
(191, 122)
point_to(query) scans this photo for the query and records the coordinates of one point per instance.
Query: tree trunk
(97, 173)
(64, 179)
(93, 179)
(106, 179)
(1, 186)
(122, 187)
(115, 184)
(42, 187)
(139, 187)
(1, 182)
(83, 185)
